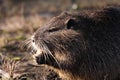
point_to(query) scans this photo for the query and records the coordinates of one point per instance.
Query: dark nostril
(32, 52)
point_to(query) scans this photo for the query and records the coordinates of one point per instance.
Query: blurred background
(20, 18)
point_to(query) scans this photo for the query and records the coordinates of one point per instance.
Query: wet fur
(83, 45)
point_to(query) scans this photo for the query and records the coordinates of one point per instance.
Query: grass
(8, 67)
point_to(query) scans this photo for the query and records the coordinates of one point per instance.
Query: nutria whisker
(29, 46)
(47, 51)
(55, 59)
(45, 56)
(26, 42)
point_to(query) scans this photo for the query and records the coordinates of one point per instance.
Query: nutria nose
(33, 51)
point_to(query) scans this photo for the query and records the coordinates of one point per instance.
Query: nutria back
(81, 46)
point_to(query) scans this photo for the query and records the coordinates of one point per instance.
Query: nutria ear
(71, 24)
(80, 23)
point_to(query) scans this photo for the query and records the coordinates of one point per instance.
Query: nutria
(83, 45)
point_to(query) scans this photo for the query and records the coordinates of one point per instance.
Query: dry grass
(8, 67)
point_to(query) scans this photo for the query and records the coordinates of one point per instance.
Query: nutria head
(85, 43)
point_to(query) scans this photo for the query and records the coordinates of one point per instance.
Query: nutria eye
(33, 40)
(71, 24)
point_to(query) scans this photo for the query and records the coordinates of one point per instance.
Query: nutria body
(81, 46)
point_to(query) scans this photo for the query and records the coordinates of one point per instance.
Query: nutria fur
(81, 46)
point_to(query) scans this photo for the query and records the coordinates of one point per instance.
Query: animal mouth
(42, 57)
(41, 53)
(39, 56)
(45, 59)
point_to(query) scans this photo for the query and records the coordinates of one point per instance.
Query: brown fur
(81, 46)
